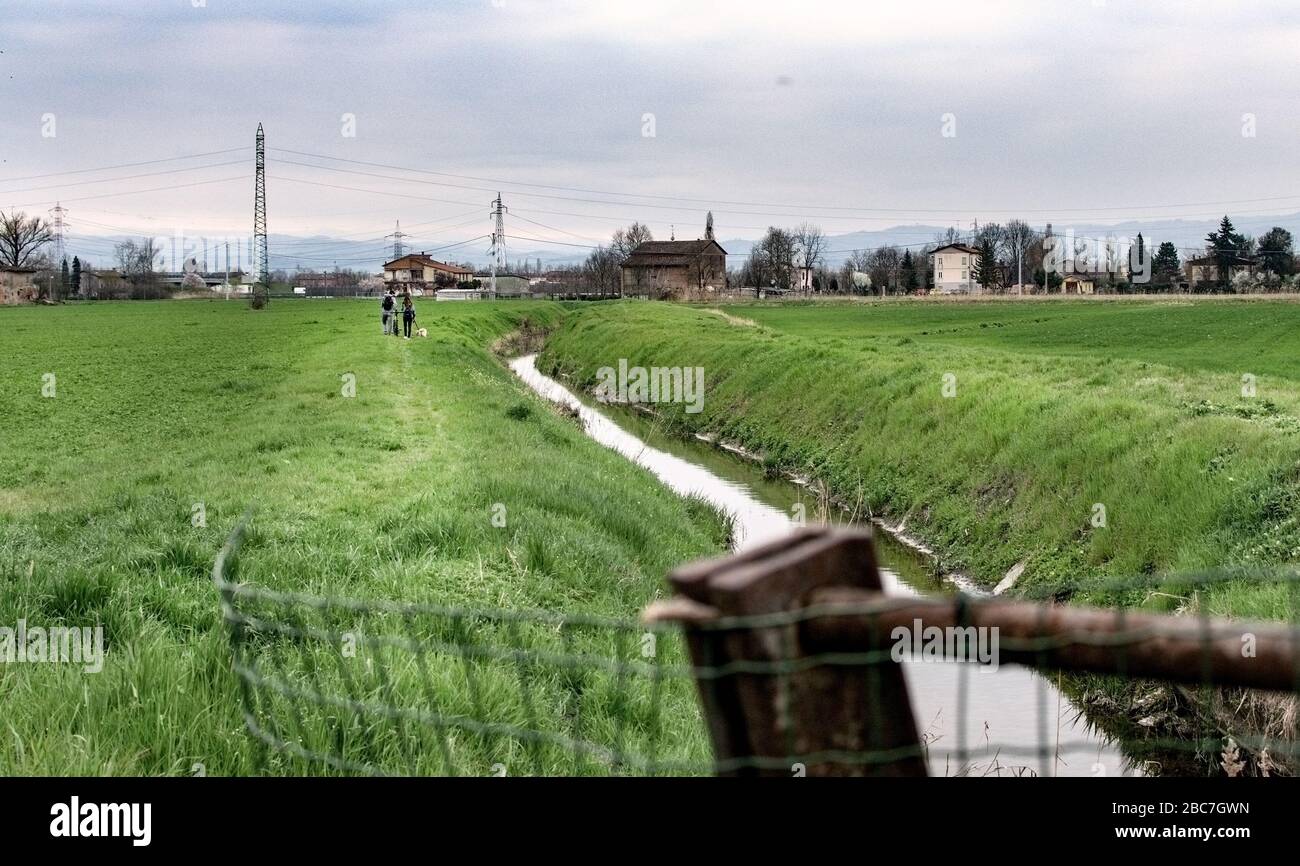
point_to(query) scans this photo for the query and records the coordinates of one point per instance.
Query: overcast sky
(764, 111)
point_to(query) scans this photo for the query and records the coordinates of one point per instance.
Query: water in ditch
(1016, 722)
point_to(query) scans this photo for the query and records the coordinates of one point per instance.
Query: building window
(963, 260)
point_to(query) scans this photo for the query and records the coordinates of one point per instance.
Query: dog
(422, 332)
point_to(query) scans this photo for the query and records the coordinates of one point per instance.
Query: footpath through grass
(1083, 440)
(162, 411)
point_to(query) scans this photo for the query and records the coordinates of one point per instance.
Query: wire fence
(784, 661)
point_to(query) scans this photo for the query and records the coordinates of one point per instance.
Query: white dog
(422, 332)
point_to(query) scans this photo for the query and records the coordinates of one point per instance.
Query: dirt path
(734, 320)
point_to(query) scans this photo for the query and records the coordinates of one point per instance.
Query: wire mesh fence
(378, 687)
(783, 661)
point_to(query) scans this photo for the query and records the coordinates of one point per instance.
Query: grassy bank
(1056, 412)
(164, 411)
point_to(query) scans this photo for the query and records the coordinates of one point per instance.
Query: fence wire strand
(378, 687)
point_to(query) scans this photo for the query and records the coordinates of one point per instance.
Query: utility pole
(260, 255)
(399, 249)
(227, 286)
(498, 241)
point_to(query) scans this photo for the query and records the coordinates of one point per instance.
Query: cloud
(831, 105)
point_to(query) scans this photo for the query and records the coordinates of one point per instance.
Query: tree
(810, 244)
(754, 271)
(1165, 267)
(989, 239)
(777, 250)
(1018, 238)
(626, 240)
(22, 239)
(908, 271)
(948, 236)
(76, 275)
(985, 271)
(602, 271)
(883, 266)
(65, 279)
(1277, 252)
(136, 262)
(1225, 246)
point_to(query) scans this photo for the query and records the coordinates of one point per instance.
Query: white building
(953, 267)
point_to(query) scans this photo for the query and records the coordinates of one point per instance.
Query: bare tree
(21, 239)
(754, 272)
(949, 235)
(602, 270)
(811, 244)
(1018, 238)
(626, 240)
(778, 253)
(883, 266)
(136, 262)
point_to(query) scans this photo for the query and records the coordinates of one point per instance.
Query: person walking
(388, 311)
(408, 315)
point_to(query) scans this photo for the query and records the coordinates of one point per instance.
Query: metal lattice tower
(399, 249)
(498, 240)
(56, 218)
(260, 257)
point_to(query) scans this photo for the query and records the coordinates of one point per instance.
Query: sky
(140, 116)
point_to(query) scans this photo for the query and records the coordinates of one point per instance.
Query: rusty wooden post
(835, 719)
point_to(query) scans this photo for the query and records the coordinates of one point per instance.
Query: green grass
(388, 495)
(1058, 407)
(1229, 336)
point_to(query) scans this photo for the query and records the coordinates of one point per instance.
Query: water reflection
(1016, 722)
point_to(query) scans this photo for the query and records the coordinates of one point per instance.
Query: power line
(132, 191)
(126, 177)
(124, 165)
(552, 228)
(707, 201)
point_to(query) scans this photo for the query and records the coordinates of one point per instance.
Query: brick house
(661, 269)
(17, 285)
(419, 271)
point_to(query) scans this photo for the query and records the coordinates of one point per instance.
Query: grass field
(1224, 336)
(1085, 440)
(164, 411)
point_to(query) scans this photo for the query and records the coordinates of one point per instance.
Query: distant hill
(1181, 232)
(321, 252)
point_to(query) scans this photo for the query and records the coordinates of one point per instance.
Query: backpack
(388, 303)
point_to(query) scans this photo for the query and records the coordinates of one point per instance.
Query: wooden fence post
(833, 719)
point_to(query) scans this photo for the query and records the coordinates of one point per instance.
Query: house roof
(421, 260)
(19, 270)
(670, 253)
(965, 248)
(1213, 260)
